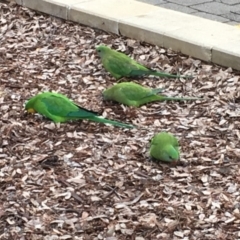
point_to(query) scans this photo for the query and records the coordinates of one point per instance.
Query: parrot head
(169, 154)
(102, 50)
(31, 110)
(107, 94)
(30, 105)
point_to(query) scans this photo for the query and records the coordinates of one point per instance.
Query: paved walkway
(198, 37)
(225, 11)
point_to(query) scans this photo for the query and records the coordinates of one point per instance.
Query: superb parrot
(165, 147)
(120, 65)
(133, 94)
(59, 108)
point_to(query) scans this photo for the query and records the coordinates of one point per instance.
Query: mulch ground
(86, 180)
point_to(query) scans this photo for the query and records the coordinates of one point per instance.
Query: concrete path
(195, 36)
(225, 11)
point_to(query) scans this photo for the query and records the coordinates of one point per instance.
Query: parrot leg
(122, 79)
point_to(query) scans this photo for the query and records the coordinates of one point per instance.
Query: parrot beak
(174, 163)
(31, 110)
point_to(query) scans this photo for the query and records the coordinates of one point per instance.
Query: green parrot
(120, 65)
(133, 94)
(59, 108)
(164, 147)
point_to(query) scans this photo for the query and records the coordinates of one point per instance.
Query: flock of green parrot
(58, 108)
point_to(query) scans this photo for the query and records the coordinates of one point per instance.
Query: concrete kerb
(201, 38)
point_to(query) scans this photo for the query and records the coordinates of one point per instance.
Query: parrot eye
(99, 50)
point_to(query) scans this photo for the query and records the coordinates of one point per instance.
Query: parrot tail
(163, 98)
(167, 75)
(160, 98)
(114, 123)
(148, 71)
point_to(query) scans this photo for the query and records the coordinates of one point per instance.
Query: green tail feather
(162, 98)
(142, 72)
(157, 90)
(161, 74)
(92, 116)
(114, 123)
(156, 98)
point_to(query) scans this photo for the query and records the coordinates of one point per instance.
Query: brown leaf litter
(84, 180)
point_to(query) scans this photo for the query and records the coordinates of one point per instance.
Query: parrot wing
(157, 90)
(154, 141)
(82, 113)
(63, 107)
(175, 143)
(139, 72)
(141, 93)
(120, 65)
(57, 105)
(135, 93)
